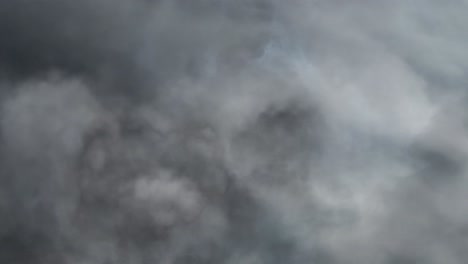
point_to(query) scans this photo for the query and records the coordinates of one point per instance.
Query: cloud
(254, 131)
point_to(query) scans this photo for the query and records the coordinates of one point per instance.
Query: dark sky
(233, 132)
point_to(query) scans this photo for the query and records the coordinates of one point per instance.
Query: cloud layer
(219, 131)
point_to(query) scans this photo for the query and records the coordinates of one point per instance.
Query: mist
(233, 132)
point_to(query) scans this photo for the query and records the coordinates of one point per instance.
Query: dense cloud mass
(233, 132)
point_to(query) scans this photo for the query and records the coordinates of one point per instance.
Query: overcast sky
(233, 132)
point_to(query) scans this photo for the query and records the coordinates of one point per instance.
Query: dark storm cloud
(256, 132)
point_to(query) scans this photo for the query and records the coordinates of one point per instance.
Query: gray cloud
(254, 131)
